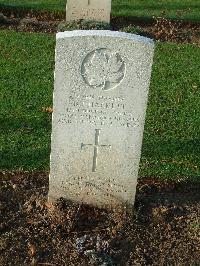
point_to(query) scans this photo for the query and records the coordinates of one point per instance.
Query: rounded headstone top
(104, 33)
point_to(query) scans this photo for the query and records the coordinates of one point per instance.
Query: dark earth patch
(163, 228)
(160, 29)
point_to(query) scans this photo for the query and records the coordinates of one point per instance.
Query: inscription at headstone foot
(101, 88)
(88, 9)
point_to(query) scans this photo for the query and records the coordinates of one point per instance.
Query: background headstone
(89, 10)
(101, 88)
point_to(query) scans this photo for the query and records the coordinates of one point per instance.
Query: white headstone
(100, 98)
(98, 10)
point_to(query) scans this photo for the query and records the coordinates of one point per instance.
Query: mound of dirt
(162, 229)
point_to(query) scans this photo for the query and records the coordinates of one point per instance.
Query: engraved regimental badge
(103, 69)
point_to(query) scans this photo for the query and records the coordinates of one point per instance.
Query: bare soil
(162, 229)
(160, 29)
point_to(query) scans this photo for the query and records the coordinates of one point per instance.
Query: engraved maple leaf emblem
(104, 70)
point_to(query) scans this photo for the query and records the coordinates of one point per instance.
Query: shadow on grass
(26, 145)
(25, 122)
(39, 12)
(172, 148)
(25, 142)
(25, 158)
(157, 6)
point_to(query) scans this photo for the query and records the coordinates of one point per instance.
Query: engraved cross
(96, 148)
(88, 2)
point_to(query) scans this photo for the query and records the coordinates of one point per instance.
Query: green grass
(58, 5)
(188, 9)
(26, 84)
(171, 145)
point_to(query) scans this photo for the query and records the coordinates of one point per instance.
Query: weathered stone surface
(88, 9)
(100, 98)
